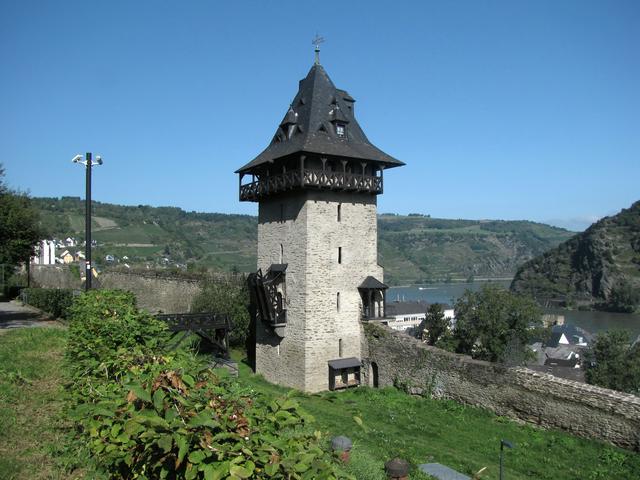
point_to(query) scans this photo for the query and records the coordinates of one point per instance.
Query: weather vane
(317, 41)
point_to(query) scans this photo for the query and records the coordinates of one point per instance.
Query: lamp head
(98, 159)
(77, 159)
(506, 443)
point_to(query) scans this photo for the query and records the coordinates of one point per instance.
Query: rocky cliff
(596, 266)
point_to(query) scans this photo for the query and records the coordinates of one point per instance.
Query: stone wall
(322, 299)
(155, 293)
(54, 276)
(539, 398)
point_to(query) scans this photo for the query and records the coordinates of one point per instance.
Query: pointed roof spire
(317, 41)
(312, 125)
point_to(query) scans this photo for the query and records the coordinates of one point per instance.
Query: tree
(230, 297)
(612, 362)
(496, 325)
(623, 298)
(435, 324)
(19, 226)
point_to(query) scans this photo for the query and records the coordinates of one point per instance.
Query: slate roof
(372, 283)
(278, 267)
(309, 126)
(406, 308)
(344, 363)
(571, 332)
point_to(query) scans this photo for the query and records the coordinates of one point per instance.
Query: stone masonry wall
(539, 398)
(153, 293)
(327, 324)
(303, 231)
(53, 276)
(282, 235)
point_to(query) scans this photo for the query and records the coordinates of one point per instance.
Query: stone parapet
(519, 393)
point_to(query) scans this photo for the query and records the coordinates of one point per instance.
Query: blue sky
(510, 110)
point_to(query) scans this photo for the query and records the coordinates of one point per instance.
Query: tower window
(338, 301)
(340, 129)
(281, 253)
(339, 212)
(339, 254)
(339, 347)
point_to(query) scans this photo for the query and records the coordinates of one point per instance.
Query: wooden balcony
(308, 178)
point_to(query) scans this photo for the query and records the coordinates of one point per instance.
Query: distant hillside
(413, 249)
(420, 249)
(148, 235)
(590, 267)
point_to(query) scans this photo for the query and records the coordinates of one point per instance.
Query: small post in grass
(397, 469)
(342, 447)
(503, 443)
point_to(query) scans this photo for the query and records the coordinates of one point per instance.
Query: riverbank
(593, 321)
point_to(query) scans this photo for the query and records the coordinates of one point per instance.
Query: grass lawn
(382, 423)
(32, 439)
(386, 423)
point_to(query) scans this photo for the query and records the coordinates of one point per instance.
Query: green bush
(148, 412)
(55, 301)
(230, 297)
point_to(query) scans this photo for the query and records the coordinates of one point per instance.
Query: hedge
(146, 411)
(54, 301)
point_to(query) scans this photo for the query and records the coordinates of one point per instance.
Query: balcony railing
(309, 178)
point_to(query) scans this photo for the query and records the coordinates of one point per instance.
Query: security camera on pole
(88, 163)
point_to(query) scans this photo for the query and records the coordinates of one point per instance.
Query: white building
(45, 253)
(409, 315)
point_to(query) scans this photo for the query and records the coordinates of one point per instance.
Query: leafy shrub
(623, 298)
(148, 412)
(230, 297)
(612, 361)
(54, 301)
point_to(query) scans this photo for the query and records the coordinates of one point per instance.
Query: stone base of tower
(328, 242)
(303, 366)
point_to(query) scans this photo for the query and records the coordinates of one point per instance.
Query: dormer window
(340, 129)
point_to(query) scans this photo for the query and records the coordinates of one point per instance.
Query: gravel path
(15, 315)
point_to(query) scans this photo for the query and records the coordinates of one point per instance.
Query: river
(591, 321)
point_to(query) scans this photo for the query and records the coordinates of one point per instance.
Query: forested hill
(412, 249)
(417, 249)
(600, 265)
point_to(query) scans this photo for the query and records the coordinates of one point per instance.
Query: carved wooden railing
(310, 178)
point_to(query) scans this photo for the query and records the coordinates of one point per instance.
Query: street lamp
(503, 443)
(88, 163)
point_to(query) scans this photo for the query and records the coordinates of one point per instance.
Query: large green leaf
(203, 419)
(241, 472)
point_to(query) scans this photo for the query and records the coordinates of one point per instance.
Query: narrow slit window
(281, 253)
(339, 347)
(339, 212)
(338, 301)
(339, 254)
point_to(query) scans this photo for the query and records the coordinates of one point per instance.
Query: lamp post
(88, 163)
(503, 443)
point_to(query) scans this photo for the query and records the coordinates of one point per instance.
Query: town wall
(53, 276)
(155, 293)
(519, 393)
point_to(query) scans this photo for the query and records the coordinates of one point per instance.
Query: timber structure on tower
(318, 145)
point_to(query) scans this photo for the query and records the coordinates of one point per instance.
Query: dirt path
(15, 315)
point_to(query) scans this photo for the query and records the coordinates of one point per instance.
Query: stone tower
(318, 279)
